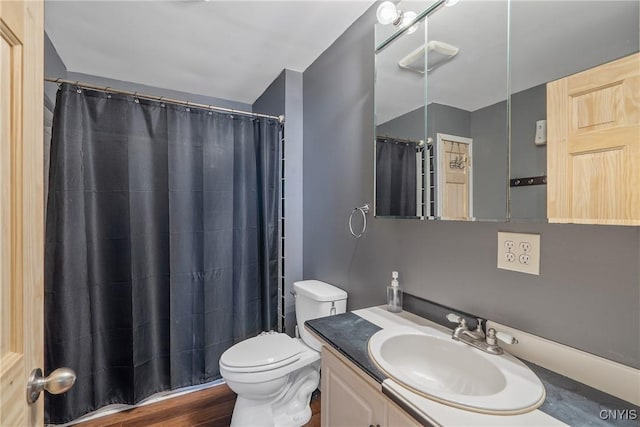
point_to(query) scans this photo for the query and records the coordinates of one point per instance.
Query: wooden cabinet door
(593, 148)
(21, 208)
(347, 399)
(396, 417)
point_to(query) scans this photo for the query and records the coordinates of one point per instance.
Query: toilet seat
(307, 357)
(264, 352)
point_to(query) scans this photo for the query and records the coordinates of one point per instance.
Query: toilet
(274, 374)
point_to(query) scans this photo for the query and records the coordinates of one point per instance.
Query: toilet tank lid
(319, 291)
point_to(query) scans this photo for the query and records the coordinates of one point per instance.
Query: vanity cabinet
(593, 148)
(349, 398)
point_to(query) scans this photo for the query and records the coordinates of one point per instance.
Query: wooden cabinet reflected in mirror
(551, 40)
(594, 145)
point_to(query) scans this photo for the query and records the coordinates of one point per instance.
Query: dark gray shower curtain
(161, 245)
(396, 178)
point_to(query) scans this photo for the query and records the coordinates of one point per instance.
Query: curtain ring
(364, 210)
(161, 102)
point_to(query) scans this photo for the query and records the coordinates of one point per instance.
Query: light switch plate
(519, 252)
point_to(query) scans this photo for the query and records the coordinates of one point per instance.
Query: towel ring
(364, 210)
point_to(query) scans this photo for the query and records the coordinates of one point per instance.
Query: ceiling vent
(438, 54)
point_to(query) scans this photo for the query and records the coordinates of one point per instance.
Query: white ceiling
(225, 49)
(549, 40)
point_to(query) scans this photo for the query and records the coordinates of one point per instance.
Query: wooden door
(593, 145)
(347, 399)
(454, 176)
(21, 208)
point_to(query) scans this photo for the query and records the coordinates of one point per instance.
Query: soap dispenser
(394, 295)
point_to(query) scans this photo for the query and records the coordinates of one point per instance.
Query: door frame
(22, 283)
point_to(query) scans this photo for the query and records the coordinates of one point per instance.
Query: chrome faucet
(477, 338)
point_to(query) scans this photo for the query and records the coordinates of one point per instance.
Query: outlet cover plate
(519, 252)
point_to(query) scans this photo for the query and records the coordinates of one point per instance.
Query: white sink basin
(430, 363)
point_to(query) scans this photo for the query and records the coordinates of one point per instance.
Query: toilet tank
(316, 299)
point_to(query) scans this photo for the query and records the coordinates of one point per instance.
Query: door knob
(58, 381)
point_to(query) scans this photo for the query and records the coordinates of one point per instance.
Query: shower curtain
(161, 245)
(396, 178)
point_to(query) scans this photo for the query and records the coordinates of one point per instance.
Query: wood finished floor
(211, 407)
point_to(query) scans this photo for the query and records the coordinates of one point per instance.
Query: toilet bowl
(274, 374)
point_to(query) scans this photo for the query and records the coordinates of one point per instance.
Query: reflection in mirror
(467, 112)
(460, 142)
(399, 176)
(550, 40)
(401, 146)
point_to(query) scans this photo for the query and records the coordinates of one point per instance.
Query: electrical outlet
(524, 247)
(519, 252)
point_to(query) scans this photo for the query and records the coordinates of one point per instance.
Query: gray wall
(407, 126)
(588, 293)
(53, 67)
(293, 170)
(284, 96)
(441, 119)
(157, 91)
(449, 120)
(528, 159)
(490, 161)
(272, 99)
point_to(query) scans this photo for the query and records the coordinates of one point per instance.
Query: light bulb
(387, 12)
(451, 2)
(407, 18)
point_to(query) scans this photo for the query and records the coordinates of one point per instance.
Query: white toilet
(274, 374)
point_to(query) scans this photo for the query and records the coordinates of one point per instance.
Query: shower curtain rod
(162, 99)
(414, 141)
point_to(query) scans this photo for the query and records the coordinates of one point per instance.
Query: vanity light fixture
(388, 13)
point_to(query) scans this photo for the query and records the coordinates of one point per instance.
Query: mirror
(444, 155)
(551, 39)
(400, 145)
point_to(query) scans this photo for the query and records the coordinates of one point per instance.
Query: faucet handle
(454, 318)
(506, 338)
(493, 336)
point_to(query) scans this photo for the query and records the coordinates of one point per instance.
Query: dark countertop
(349, 334)
(567, 400)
